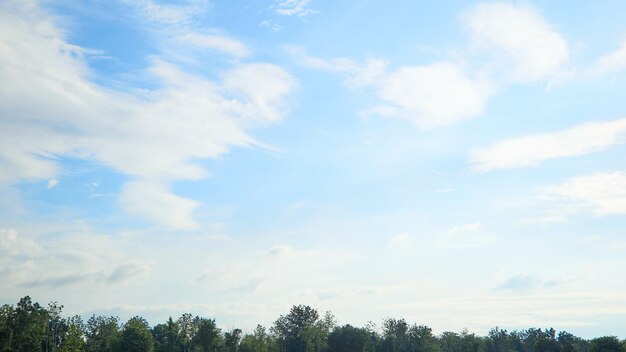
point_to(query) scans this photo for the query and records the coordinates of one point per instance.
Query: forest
(31, 327)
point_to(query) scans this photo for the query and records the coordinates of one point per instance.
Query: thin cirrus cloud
(602, 193)
(294, 8)
(169, 14)
(53, 110)
(218, 43)
(612, 62)
(521, 46)
(532, 150)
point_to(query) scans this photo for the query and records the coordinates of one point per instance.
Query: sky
(457, 164)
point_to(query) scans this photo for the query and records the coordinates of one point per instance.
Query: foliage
(29, 327)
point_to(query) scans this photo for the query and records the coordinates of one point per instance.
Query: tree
(136, 336)
(7, 315)
(607, 344)
(167, 337)
(101, 333)
(207, 337)
(55, 328)
(231, 340)
(187, 329)
(302, 330)
(348, 338)
(421, 339)
(258, 341)
(29, 326)
(74, 339)
(394, 337)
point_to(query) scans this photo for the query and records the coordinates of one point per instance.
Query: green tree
(167, 337)
(29, 326)
(186, 330)
(136, 336)
(607, 344)
(55, 327)
(394, 335)
(231, 340)
(74, 339)
(207, 337)
(101, 333)
(302, 330)
(258, 341)
(348, 338)
(7, 315)
(421, 339)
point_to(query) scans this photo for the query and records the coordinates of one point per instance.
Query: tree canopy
(30, 327)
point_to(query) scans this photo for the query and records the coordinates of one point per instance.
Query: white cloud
(612, 62)
(274, 27)
(13, 245)
(152, 200)
(524, 44)
(429, 96)
(400, 240)
(433, 96)
(603, 193)
(219, 43)
(533, 149)
(300, 56)
(356, 74)
(52, 183)
(258, 92)
(53, 110)
(168, 13)
(294, 8)
(519, 43)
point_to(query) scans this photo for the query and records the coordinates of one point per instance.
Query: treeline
(29, 327)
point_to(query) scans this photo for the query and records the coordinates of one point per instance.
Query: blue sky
(459, 165)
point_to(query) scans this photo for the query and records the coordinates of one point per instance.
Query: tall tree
(231, 340)
(74, 339)
(302, 330)
(167, 337)
(207, 337)
(29, 326)
(135, 336)
(258, 341)
(7, 315)
(101, 333)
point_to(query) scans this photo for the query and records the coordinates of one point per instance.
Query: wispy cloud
(153, 137)
(401, 240)
(519, 44)
(612, 62)
(532, 150)
(294, 8)
(527, 283)
(119, 274)
(221, 44)
(169, 13)
(12, 245)
(602, 193)
(523, 45)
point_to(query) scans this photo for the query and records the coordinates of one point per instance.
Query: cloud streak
(532, 150)
(54, 110)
